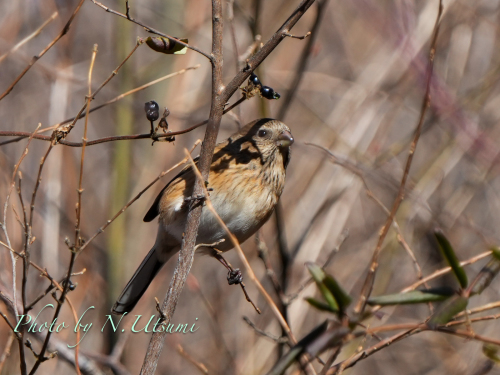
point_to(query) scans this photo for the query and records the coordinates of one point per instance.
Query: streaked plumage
(247, 176)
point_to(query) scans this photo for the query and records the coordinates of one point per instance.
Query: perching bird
(247, 177)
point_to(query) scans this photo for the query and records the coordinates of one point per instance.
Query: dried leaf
(167, 46)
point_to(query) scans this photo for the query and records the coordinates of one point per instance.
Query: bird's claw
(195, 199)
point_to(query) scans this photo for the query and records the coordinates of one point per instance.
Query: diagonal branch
(186, 254)
(370, 277)
(49, 46)
(150, 29)
(220, 95)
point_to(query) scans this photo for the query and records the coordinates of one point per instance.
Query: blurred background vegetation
(359, 96)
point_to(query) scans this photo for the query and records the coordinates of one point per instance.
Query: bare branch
(370, 277)
(200, 366)
(150, 29)
(29, 37)
(298, 37)
(49, 46)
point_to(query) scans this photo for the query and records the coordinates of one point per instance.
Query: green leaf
(448, 309)
(495, 252)
(320, 305)
(491, 351)
(451, 258)
(319, 276)
(167, 46)
(342, 298)
(415, 296)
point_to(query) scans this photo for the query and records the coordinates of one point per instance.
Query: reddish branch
(370, 277)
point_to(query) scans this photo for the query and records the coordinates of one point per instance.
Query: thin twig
(220, 96)
(251, 49)
(200, 366)
(60, 301)
(150, 29)
(135, 198)
(52, 286)
(370, 277)
(220, 341)
(6, 350)
(121, 96)
(264, 255)
(251, 274)
(186, 254)
(114, 138)
(330, 360)
(18, 335)
(22, 135)
(29, 37)
(279, 340)
(78, 239)
(49, 46)
(445, 270)
(488, 306)
(298, 37)
(291, 297)
(62, 131)
(22, 358)
(242, 256)
(355, 170)
(82, 159)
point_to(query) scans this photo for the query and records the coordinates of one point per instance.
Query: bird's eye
(262, 133)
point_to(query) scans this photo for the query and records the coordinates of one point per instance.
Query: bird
(246, 180)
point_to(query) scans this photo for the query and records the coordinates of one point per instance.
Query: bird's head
(270, 137)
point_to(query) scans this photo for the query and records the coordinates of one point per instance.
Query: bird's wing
(154, 211)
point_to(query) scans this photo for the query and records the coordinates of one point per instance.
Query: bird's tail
(138, 284)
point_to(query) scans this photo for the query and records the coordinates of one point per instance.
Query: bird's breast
(242, 200)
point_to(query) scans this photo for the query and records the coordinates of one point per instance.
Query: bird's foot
(195, 199)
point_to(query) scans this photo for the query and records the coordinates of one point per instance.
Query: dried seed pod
(164, 45)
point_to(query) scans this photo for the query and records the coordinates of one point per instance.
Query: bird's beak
(285, 139)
